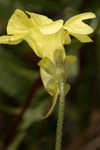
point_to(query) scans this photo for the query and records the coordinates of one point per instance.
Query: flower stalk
(60, 116)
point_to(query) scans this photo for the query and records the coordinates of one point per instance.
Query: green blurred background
(23, 100)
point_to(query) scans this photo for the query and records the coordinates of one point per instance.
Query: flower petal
(75, 24)
(38, 19)
(67, 39)
(19, 23)
(83, 38)
(44, 45)
(10, 39)
(52, 27)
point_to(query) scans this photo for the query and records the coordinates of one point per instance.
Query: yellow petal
(52, 27)
(45, 45)
(83, 38)
(19, 23)
(67, 39)
(10, 39)
(75, 24)
(38, 19)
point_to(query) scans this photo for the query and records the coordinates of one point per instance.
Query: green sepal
(53, 72)
(59, 56)
(47, 65)
(52, 85)
(49, 81)
(69, 60)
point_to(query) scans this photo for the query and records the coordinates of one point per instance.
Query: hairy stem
(60, 116)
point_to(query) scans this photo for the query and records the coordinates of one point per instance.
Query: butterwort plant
(47, 39)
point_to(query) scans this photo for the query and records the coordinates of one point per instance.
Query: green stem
(60, 116)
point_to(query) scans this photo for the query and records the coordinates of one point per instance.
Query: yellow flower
(44, 35)
(47, 38)
(29, 27)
